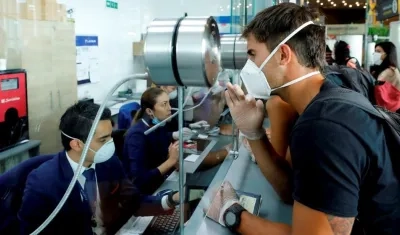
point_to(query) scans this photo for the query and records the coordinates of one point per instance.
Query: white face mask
(254, 79)
(104, 153)
(377, 58)
(172, 95)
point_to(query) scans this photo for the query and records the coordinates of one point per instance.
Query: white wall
(116, 31)
(118, 28)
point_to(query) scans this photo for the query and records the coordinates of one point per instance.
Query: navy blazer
(47, 184)
(142, 154)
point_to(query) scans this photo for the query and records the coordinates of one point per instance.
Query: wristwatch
(171, 200)
(232, 216)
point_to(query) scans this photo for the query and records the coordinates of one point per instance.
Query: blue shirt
(144, 153)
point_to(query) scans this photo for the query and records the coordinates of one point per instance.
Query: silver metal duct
(233, 51)
(184, 51)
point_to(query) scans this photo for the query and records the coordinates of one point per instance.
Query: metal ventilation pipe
(183, 52)
(233, 51)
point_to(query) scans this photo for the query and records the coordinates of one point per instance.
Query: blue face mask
(155, 121)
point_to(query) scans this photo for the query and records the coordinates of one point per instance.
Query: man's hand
(223, 198)
(247, 114)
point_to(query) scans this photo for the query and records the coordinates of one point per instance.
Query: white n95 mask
(255, 80)
(104, 153)
(377, 58)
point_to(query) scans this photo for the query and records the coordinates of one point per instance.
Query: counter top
(246, 176)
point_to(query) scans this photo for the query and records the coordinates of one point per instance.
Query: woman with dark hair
(149, 159)
(341, 55)
(385, 66)
(385, 70)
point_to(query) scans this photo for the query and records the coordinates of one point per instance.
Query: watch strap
(171, 200)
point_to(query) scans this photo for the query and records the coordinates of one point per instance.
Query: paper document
(202, 136)
(138, 226)
(248, 203)
(192, 158)
(174, 176)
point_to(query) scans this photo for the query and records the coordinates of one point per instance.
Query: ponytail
(139, 115)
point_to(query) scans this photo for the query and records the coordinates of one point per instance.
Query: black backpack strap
(352, 98)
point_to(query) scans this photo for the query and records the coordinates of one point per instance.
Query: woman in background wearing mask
(385, 70)
(385, 66)
(149, 159)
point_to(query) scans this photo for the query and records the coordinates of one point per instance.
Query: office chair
(12, 185)
(126, 113)
(119, 139)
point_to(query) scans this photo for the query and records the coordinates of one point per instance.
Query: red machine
(13, 108)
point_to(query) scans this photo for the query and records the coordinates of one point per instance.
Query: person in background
(341, 55)
(103, 198)
(149, 159)
(385, 66)
(328, 55)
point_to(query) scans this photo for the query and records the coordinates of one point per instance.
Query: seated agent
(342, 174)
(149, 159)
(102, 200)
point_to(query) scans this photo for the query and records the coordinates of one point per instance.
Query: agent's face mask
(104, 153)
(172, 95)
(155, 121)
(254, 78)
(377, 58)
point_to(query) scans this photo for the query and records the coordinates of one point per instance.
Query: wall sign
(345, 29)
(87, 59)
(386, 9)
(112, 4)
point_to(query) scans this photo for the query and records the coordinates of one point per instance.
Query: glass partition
(78, 50)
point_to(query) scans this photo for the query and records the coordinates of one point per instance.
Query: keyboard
(164, 224)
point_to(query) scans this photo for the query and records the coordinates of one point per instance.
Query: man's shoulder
(45, 175)
(344, 114)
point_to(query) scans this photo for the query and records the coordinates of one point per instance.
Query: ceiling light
(365, 6)
(322, 3)
(350, 6)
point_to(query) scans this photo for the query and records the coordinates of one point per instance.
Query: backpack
(390, 120)
(354, 79)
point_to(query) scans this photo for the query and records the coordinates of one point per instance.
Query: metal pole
(366, 38)
(181, 170)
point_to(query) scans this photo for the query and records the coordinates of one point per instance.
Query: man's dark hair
(275, 23)
(77, 121)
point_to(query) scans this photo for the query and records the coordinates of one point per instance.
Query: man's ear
(286, 54)
(76, 145)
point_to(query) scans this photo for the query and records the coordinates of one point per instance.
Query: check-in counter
(244, 175)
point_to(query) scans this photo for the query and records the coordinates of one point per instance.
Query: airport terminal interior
(167, 117)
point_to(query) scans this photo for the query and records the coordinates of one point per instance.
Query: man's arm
(133, 201)
(305, 221)
(274, 168)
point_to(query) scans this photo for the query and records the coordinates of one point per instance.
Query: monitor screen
(9, 84)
